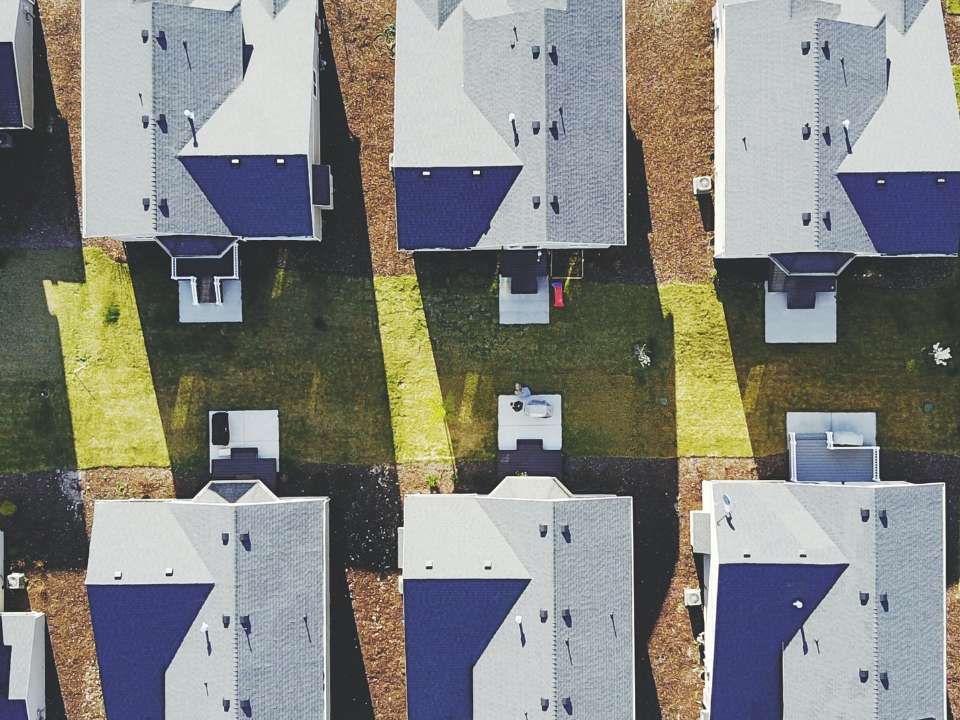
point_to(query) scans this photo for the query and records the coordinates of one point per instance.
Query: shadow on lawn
(37, 211)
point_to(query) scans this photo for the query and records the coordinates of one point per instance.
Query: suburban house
(23, 638)
(822, 597)
(510, 134)
(837, 136)
(201, 128)
(16, 67)
(215, 606)
(518, 603)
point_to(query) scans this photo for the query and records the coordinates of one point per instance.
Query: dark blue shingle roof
(259, 196)
(138, 630)
(910, 212)
(451, 208)
(10, 113)
(9, 709)
(756, 618)
(448, 624)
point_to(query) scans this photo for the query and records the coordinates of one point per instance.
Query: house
(822, 598)
(16, 67)
(23, 637)
(201, 128)
(518, 603)
(510, 134)
(837, 137)
(213, 606)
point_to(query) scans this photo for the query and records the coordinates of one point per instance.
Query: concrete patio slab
(531, 309)
(782, 325)
(523, 423)
(230, 311)
(862, 423)
(248, 429)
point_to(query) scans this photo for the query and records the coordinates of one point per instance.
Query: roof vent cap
(864, 675)
(805, 47)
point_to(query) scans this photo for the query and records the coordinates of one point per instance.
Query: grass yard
(34, 406)
(416, 402)
(308, 345)
(953, 7)
(98, 373)
(879, 364)
(956, 68)
(611, 406)
(87, 381)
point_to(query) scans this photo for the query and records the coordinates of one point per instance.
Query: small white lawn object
(941, 355)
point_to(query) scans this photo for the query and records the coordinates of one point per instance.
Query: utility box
(16, 581)
(692, 597)
(702, 185)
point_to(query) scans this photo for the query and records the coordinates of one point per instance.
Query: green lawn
(308, 345)
(877, 364)
(96, 371)
(416, 402)
(953, 7)
(610, 405)
(85, 383)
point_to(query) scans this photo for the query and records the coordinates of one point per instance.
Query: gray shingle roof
(784, 66)
(581, 570)
(464, 67)
(890, 536)
(275, 573)
(192, 62)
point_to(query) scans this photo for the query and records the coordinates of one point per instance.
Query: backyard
(385, 371)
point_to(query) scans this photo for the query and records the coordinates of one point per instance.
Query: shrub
(112, 315)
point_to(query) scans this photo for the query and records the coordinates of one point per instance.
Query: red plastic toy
(557, 294)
